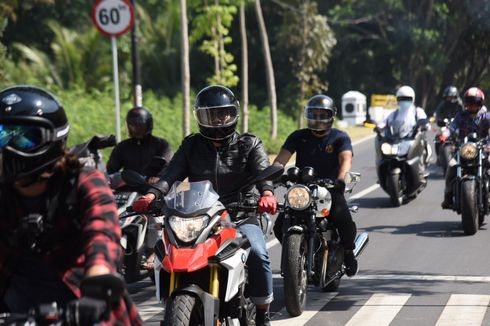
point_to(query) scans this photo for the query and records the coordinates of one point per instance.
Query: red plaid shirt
(95, 241)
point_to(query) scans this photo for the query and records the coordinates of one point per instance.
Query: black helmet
(139, 122)
(450, 94)
(33, 132)
(320, 112)
(216, 110)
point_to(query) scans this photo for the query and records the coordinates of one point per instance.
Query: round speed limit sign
(113, 17)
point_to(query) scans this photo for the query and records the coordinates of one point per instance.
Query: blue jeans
(259, 266)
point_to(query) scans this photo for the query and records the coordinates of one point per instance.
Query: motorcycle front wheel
(295, 278)
(183, 310)
(393, 185)
(469, 206)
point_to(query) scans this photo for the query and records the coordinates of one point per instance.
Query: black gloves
(340, 185)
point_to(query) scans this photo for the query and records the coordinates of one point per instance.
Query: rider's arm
(283, 157)
(345, 162)
(99, 221)
(258, 161)
(114, 164)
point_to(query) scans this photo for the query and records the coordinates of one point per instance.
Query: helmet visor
(138, 130)
(213, 117)
(319, 114)
(23, 138)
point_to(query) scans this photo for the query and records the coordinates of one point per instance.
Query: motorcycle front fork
(213, 281)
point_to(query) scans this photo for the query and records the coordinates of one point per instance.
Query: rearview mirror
(351, 179)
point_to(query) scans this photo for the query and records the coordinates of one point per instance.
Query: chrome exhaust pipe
(361, 243)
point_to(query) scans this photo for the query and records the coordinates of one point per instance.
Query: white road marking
(362, 140)
(315, 301)
(408, 277)
(364, 192)
(464, 309)
(149, 309)
(379, 310)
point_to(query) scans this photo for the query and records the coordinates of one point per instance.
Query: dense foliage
(372, 46)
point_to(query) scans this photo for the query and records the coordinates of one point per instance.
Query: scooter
(139, 231)
(402, 159)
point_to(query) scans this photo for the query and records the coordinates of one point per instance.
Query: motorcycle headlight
(298, 197)
(188, 228)
(388, 149)
(469, 151)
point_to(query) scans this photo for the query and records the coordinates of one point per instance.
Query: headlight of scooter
(469, 151)
(388, 149)
(298, 197)
(188, 229)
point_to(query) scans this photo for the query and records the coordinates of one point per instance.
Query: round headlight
(469, 151)
(386, 149)
(298, 197)
(188, 228)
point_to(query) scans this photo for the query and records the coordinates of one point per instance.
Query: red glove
(141, 204)
(267, 204)
(442, 138)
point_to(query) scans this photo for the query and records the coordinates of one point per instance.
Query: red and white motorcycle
(200, 264)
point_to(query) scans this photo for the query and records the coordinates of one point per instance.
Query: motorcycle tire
(131, 263)
(183, 310)
(295, 278)
(469, 206)
(393, 185)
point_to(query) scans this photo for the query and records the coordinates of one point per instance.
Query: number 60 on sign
(113, 17)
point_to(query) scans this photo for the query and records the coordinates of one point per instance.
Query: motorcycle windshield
(189, 197)
(399, 129)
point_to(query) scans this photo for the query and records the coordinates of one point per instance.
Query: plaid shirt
(466, 124)
(91, 238)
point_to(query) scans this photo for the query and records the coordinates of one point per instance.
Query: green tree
(309, 42)
(212, 24)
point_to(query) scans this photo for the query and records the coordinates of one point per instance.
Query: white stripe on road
(464, 309)
(364, 192)
(150, 308)
(379, 310)
(315, 301)
(362, 140)
(408, 277)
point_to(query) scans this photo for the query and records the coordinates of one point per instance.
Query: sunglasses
(22, 137)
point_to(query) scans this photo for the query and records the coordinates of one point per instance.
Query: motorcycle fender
(295, 229)
(467, 177)
(209, 303)
(124, 242)
(235, 266)
(137, 232)
(396, 170)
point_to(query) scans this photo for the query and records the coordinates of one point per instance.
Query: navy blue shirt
(321, 153)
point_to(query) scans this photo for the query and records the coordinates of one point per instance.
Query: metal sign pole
(116, 87)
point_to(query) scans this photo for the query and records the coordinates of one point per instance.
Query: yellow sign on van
(385, 101)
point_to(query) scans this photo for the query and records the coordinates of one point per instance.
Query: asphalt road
(418, 269)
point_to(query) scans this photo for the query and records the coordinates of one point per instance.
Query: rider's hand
(442, 138)
(86, 311)
(267, 204)
(141, 204)
(340, 185)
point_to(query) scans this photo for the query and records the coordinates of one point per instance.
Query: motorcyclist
(450, 105)
(227, 159)
(472, 119)
(329, 151)
(59, 221)
(407, 117)
(137, 151)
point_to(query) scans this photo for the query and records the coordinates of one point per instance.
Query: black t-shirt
(135, 154)
(321, 153)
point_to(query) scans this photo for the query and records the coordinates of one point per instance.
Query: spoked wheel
(183, 310)
(295, 278)
(394, 187)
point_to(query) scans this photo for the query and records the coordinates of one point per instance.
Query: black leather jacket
(228, 168)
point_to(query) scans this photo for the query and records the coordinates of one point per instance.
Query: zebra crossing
(383, 309)
(380, 309)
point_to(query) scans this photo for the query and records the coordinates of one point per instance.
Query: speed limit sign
(113, 17)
